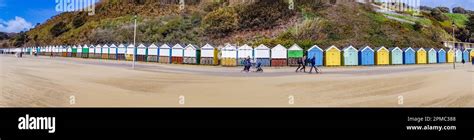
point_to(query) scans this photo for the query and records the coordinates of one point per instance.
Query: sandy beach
(53, 82)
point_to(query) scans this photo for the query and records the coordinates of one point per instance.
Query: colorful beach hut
(441, 58)
(177, 54)
(209, 55)
(165, 54)
(279, 56)
(141, 53)
(318, 53)
(396, 56)
(244, 52)
(262, 55)
(108, 52)
(465, 55)
(409, 56)
(366, 56)
(58, 51)
(332, 56)
(432, 56)
(421, 56)
(458, 55)
(350, 56)
(121, 50)
(64, 50)
(382, 56)
(191, 54)
(471, 55)
(229, 55)
(98, 51)
(69, 51)
(91, 51)
(295, 53)
(79, 51)
(450, 56)
(131, 50)
(152, 54)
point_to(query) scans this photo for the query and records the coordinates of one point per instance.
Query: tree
(443, 9)
(58, 29)
(438, 14)
(221, 22)
(459, 10)
(470, 24)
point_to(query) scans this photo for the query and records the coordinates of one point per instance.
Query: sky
(21, 15)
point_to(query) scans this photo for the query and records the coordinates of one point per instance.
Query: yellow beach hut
(450, 56)
(332, 56)
(421, 56)
(382, 56)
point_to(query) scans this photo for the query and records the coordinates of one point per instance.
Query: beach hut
(262, 55)
(421, 56)
(366, 56)
(92, 51)
(450, 56)
(409, 56)
(279, 56)
(121, 51)
(111, 51)
(57, 51)
(295, 52)
(441, 58)
(191, 54)
(350, 56)
(244, 52)
(165, 54)
(152, 54)
(316, 52)
(79, 51)
(458, 55)
(64, 51)
(141, 53)
(465, 55)
(471, 54)
(177, 54)
(98, 51)
(396, 56)
(69, 51)
(85, 51)
(432, 56)
(209, 55)
(47, 51)
(229, 55)
(332, 56)
(74, 51)
(131, 50)
(382, 56)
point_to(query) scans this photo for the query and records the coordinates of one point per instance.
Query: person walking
(313, 65)
(301, 64)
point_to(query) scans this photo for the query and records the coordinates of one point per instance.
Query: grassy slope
(340, 25)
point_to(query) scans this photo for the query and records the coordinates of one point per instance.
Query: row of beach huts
(232, 55)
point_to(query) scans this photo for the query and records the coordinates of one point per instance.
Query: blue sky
(20, 15)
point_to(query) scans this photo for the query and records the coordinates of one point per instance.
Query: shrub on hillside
(78, 20)
(443, 9)
(263, 14)
(438, 14)
(221, 22)
(58, 29)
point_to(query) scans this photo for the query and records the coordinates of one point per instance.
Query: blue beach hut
(441, 56)
(366, 56)
(409, 56)
(317, 52)
(465, 55)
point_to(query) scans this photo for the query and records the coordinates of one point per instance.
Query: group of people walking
(304, 61)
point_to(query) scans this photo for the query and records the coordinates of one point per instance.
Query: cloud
(15, 25)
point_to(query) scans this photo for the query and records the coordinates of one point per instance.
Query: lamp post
(454, 47)
(134, 41)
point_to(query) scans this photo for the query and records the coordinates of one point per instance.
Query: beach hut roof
(407, 49)
(164, 45)
(420, 49)
(465, 50)
(315, 47)
(349, 47)
(207, 46)
(178, 46)
(121, 46)
(394, 48)
(381, 48)
(295, 47)
(192, 46)
(432, 49)
(229, 47)
(278, 47)
(440, 49)
(261, 46)
(142, 45)
(152, 45)
(367, 47)
(245, 47)
(332, 48)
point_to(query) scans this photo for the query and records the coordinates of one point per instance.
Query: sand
(53, 82)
